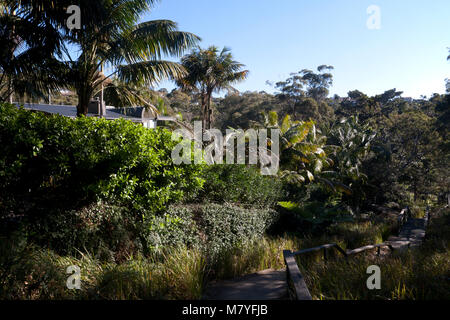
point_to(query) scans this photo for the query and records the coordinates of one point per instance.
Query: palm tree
(210, 71)
(28, 42)
(110, 38)
(302, 148)
(353, 142)
(133, 51)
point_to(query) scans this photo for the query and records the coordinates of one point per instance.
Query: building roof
(133, 114)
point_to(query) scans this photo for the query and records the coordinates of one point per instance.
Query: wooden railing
(427, 216)
(297, 287)
(403, 217)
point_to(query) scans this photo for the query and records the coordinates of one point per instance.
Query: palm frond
(150, 72)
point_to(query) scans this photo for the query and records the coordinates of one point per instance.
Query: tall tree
(318, 84)
(110, 37)
(27, 42)
(208, 71)
(292, 91)
(306, 90)
(414, 147)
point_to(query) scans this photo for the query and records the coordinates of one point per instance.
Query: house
(135, 114)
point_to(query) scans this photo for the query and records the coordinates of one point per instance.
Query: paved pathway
(264, 285)
(272, 285)
(411, 234)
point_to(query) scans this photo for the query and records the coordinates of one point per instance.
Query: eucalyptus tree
(305, 90)
(292, 91)
(208, 71)
(318, 84)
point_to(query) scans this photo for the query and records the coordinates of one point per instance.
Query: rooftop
(112, 113)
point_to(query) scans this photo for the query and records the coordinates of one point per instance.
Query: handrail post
(301, 291)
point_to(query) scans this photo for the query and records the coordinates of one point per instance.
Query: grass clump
(417, 274)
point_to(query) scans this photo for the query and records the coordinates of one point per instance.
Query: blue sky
(275, 38)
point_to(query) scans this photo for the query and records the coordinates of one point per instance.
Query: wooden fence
(296, 282)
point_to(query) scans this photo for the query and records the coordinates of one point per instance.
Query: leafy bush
(239, 184)
(107, 231)
(87, 184)
(175, 228)
(221, 227)
(87, 159)
(313, 215)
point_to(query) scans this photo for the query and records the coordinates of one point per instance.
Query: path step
(411, 234)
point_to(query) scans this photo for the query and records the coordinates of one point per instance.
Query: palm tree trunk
(209, 111)
(208, 114)
(10, 90)
(204, 111)
(84, 95)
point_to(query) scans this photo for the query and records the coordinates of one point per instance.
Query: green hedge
(240, 184)
(90, 159)
(106, 187)
(218, 227)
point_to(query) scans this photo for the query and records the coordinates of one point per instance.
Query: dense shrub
(87, 184)
(44, 156)
(107, 231)
(240, 184)
(176, 227)
(312, 216)
(224, 226)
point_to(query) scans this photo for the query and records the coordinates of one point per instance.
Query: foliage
(175, 274)
(177, 227)
(305, 91)
(27, 42)
(415, 274)
(413, 163)
(41, 275)
(315, 215)
(302, 147)
(69, 162)
(239, 184)
(210, 71)
(352, 142)
(110, 36)
(225, 226)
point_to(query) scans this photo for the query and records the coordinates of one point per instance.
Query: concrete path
(264, 285)
(272, 285)
(411, 234)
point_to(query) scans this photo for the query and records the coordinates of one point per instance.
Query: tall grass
(416, 274)
(183, 273)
